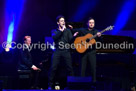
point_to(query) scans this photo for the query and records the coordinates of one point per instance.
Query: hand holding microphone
(63, 28)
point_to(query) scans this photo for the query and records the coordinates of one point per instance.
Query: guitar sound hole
(87, 40)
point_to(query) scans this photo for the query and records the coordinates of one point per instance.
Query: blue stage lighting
(85, 7)
(13, 12)
(124, 15)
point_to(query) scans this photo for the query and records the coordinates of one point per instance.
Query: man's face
(28, 41)
(61, 22)
(91, 23)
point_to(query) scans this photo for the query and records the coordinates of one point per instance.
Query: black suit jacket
(25, 62)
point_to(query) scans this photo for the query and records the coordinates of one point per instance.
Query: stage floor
(54, 90)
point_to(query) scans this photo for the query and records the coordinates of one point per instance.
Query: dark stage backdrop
(38, 17)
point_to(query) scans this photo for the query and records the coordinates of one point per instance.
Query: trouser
(89, 57)
(56, 58)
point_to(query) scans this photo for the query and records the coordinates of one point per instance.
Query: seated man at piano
(25, 64)
(89, 55)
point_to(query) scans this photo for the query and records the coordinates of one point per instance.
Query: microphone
(64, 27)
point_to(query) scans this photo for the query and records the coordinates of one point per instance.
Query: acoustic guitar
(82, 43)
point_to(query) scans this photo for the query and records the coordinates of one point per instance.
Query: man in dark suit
(61, 36)
(89, 56)
(25, 64)
(26, 58)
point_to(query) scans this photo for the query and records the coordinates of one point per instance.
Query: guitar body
(81, 43)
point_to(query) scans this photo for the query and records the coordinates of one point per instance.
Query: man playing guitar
(90, 54)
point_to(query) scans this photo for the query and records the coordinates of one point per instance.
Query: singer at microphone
(60, 35)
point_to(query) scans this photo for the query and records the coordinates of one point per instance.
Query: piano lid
(116, 44)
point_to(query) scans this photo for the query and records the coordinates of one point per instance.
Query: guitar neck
(108, 28)
(103, 31)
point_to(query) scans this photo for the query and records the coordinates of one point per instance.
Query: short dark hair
(90, 18)
(58, 17)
